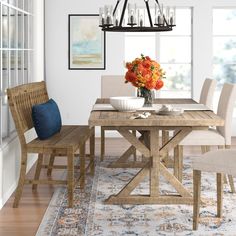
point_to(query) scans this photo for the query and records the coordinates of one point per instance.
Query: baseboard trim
(11, 190)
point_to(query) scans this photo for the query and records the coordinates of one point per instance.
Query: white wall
(10, 150)
(76, 91)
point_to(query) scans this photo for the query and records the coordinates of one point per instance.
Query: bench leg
(70, 177)
(21, 180)
(82, 164)
(50, 165)
(92, 149)
(38, 170)
(219, 186)
(102, 144)
(196, 197)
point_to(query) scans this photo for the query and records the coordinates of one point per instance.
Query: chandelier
(134, 20)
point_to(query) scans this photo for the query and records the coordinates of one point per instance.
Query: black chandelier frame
(132, 26)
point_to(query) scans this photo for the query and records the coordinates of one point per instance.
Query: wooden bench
(65, 143)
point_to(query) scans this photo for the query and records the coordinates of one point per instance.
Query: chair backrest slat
(225, 110)
(21, 100)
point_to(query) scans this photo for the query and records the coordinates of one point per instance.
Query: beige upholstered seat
(225, 110)
(220, 136)
(113, 85)
(220, 162)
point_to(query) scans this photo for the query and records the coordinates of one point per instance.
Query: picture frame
(86, 43)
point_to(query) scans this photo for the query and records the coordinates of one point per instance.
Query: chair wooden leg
(82, 164)
(50, 165)
(178, 162)
(92, 150)
(225, 179)
(231, 183)
(230, 177)
(21, 180)
(102, 144)
(135, 153)
(38, 170)
(196, 197)
(219, 186)
(70, 177)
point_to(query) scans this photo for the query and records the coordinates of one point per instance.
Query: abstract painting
(86, 43)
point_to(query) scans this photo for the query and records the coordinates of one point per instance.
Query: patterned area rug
(90, 216)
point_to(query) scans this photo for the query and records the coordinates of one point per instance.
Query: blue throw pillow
(46, 118)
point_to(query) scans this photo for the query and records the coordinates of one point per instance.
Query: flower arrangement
(145, 73)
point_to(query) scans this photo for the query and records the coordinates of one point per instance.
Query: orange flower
(159, 84)
(144, 72)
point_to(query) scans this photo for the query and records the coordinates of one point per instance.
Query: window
(224, 48)
(172, 49)
(15, 53)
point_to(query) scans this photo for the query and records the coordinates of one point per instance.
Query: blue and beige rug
(90, 216)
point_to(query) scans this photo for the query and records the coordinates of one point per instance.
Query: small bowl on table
(127, 103)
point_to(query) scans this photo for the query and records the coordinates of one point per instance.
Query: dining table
(152, 149)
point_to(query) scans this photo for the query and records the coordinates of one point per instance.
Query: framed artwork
(87, 43)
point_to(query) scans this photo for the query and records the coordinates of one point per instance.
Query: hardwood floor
(24, 220)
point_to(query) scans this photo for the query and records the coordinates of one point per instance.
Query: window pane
(178, 77)
(224, 49)
(20, 30)
(13, 81)
(224, 21)
(20, 4)
(135, 46)
(183, 23)
(25, 66)
(12, 2)
(20, 67)
(12, 28)
(175, 49)
(25, 31)
(5, 71)
(5, 27)
(224, 73)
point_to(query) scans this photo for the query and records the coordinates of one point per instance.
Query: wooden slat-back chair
(65, 143)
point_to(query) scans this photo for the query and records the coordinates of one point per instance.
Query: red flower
(130, 76)
(159, 84)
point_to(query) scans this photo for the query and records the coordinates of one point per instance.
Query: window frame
(24, 50)
(158, 36)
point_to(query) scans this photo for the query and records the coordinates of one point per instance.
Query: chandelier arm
(159, 6)
(149, 13)
(117, 3)
(123, 13)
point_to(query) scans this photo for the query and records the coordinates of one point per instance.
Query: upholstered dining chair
(220, 162)
(113, 85)
(219, 136)
(207, 92)
(206, 98)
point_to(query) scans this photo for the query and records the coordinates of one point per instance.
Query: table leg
(153, 168)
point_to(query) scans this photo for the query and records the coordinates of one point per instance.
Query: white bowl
(127, 103)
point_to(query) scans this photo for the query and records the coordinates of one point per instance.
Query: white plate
(170, 113)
